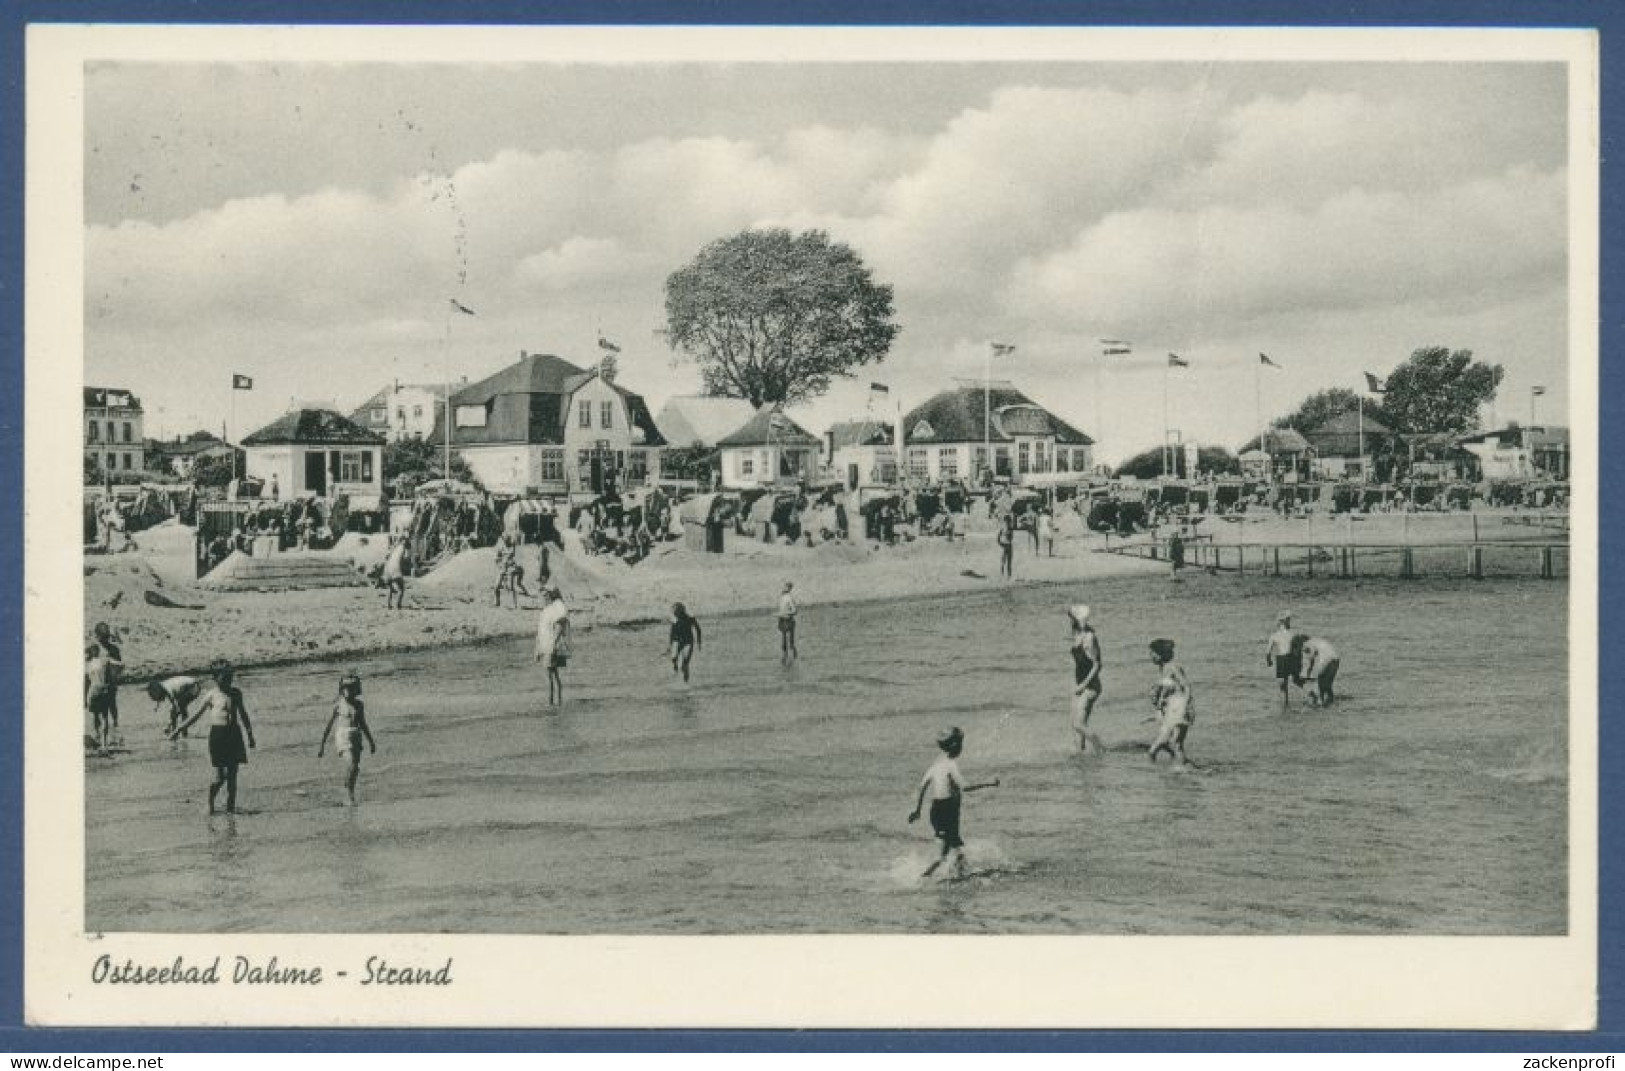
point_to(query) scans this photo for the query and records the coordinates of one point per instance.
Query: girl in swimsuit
(1172, 699)
(348, 727)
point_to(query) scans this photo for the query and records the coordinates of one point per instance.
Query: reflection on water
(763, 798)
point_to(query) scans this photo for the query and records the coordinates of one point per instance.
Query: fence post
(1477, 557)
(1309, 556)
(1546, 569)
(1407, 565)
(1354, 569)
(1277, 561)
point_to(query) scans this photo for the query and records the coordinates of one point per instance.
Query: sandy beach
(454, 604)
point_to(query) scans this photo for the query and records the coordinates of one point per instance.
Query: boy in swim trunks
(177, 693)
(947, 787)
(350, 717)
(1278, 653)
(98, 693)
(686, 637)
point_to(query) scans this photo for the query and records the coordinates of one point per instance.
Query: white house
(769, 447)
(546, 426)
(861, 452)
(317, 452)
(401, 411)
(113, 430)
(966, 432)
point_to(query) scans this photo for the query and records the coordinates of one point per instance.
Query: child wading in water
(686, 638)
(947, 787)
(350, 717)
(1172, 698)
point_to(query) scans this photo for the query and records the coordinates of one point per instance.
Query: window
(366, 466)
(126, 431)
(792, 462)
(1001, 461)
(948, 463)
(1080, 459)
(978, 458)
(606, 414)
(471, 416)
(919, 462)
(94, 432)
(1023, 457)
(110, 436)
(1062, 455)
(747, 466)
(552, 466)
(349, 467)
(584, 464)
(417, 412)
(584, 414)
(1040, 456)
(380, 415)
(127, 462)
(638, 469)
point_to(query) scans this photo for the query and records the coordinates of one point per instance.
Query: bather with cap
(1086, 665)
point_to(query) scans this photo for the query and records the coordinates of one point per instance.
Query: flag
(607, 346)
(879, 388)
(460, 307)
(1264, 358)
(1537, 391)
(1002, 349)
(1372, 386)
(1115, 351)
(241, 382)
(1176, 361)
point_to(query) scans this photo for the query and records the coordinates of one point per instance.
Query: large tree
(1439, 389)
(1210, 461)
(772, 317)
(410, 462)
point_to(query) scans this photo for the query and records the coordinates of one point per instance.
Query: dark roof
(1340, 436)
(1280, 441)
(313, 427)
(529, 402)
(769, 427)
(959, 415)
(97, 398)
(860, 433)
(186, 447)
(701, 421)
(1534, 436)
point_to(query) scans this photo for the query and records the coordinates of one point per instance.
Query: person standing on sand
(1176, 552)
(1171, 697)
(947, 787)
(510, 574)
(1318, 663)
(686, 638)
(1046, 532)
(395, 574)
(227, 717)
(350, 715)
(552, 642)
(1278, 652)
(787, 624)
(1085, 676)
(99, 690)
(1006, 538)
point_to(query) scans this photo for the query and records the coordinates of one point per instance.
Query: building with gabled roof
(543, 425)
(402, 410)
(861, 452)
(317, 452)
(979, 432)
(113, 430)
(768, 448)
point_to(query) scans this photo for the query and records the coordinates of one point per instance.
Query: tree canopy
(1322, 405)
(1210, 460)
(773, 317)
(1439, 390)
(410, 462)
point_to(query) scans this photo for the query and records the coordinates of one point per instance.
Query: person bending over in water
(177, 693)
(1171, 697)
(1085, 676)
(947, 787)
(1318, 670)
(228, 720)
(350, 717)
(686, 638)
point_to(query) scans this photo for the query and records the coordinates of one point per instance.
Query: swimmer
(947, 787)
(1171, 697)
(1318, 670)
(1278, 652)
(686, 638)
(350, 715)
(1085, 676)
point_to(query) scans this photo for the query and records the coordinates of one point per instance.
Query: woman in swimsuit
(1085, 676)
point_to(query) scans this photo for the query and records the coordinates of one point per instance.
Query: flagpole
(1532, 397)
(1258, 400)
(233, 424)
(445, 368)
(987, 417)
(1166, 368)
(1361, 399)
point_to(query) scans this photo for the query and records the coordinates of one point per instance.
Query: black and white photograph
(1085, 486)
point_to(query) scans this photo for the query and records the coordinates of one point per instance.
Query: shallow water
(1431, 799)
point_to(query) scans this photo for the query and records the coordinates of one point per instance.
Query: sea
(765, 798)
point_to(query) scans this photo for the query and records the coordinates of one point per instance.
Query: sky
(306, 223)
